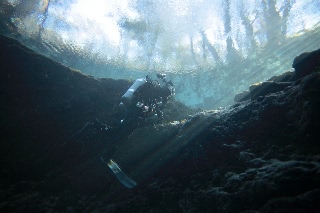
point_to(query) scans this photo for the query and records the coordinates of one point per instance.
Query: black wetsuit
(148, 102)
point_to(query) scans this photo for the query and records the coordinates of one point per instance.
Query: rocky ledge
(259, 155)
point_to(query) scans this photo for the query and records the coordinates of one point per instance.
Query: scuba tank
(126, 99)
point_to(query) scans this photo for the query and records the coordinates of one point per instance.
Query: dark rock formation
(260, 155)
(242, 96)
(304, 65)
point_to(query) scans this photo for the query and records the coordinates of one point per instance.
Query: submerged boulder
(304, 65)
(265, 88)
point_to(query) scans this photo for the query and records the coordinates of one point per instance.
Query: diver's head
(161, 75)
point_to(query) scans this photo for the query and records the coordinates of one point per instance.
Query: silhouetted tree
(232, 54)
(192, 51)
(6, 12)
(211, 48)
(248, 24)
(136, 27)
(45, 7)
(276, 25)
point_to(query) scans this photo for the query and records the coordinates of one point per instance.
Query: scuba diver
(144, 102)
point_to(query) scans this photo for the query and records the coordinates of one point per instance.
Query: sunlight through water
(216, 43)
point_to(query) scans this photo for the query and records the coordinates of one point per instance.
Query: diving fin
(120, 175)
